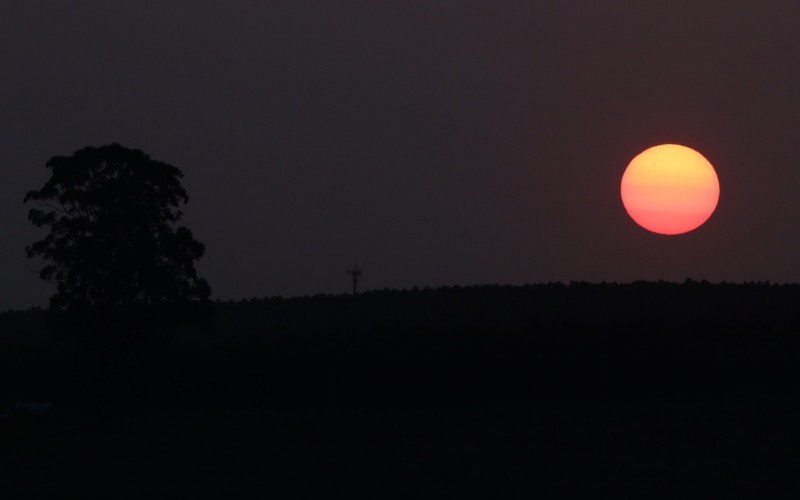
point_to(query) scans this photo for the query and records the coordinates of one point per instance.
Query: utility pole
(355, 275)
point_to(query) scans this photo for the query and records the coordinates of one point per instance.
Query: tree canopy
(114, 239)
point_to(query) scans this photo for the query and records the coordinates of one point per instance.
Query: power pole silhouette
(355, 275)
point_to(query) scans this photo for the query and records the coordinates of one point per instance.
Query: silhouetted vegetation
(120, 263)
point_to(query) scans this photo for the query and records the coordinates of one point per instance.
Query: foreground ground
(650, 390)
(644, 451)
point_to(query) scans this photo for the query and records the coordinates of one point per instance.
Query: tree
(113, 241)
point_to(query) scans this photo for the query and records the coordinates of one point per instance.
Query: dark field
(636, 391)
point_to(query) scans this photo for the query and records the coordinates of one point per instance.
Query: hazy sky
(450, 142)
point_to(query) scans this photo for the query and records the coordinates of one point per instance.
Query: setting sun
(670, 189)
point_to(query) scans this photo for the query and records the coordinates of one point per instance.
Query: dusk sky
(439, 143)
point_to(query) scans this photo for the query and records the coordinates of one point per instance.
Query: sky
(436, 142)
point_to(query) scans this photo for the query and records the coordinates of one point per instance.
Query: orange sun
(670, 189)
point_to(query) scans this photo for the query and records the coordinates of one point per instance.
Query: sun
(670, 189)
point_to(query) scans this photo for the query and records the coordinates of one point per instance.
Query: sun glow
(670, 189)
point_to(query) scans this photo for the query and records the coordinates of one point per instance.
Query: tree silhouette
(113, 243)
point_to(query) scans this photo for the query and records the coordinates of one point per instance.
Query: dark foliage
(114, 249)
(111, 212)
